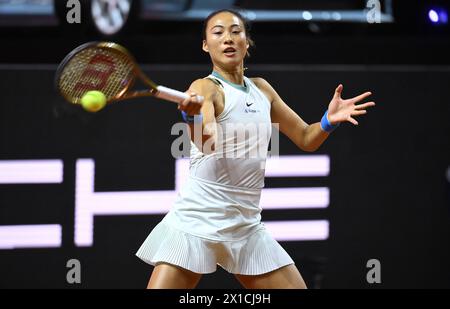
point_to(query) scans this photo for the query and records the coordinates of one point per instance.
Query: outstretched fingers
(359, 110)
(357, 113)
(352, 120)
(364, 105)
(361, 97)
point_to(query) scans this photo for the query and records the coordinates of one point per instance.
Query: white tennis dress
(216, 218)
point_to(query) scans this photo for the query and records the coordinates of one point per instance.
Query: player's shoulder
(264, 86)
(207, 88)
(261, 83)
(205, 84)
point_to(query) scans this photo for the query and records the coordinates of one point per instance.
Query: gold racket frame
(121, 52)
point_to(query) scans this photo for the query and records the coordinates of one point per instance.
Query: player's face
(226, 41)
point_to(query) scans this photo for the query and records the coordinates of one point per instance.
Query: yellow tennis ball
(93, 101)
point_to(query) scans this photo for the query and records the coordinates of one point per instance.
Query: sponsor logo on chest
(250, 107)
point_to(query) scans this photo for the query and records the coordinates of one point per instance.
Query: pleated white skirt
(257, 254)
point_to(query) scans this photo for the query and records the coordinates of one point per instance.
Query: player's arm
(202, 135)
(307, 137)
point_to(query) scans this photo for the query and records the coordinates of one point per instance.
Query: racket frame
(154, 89)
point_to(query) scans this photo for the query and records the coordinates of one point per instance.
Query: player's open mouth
(229, 51)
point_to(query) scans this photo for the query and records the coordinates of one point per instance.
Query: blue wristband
(326, 125)
(192, 119)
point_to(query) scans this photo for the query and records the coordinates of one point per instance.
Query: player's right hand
(191, 105)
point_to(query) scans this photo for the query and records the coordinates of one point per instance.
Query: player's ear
(205, 46)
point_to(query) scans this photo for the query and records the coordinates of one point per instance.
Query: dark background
(390, 198)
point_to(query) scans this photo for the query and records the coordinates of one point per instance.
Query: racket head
(103, 66)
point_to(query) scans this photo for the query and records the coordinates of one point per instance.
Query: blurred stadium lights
(438, 16)
(26, 7)
(269, 11)
(27, 13)
(110, 16)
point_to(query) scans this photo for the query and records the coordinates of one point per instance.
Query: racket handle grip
(173, 95)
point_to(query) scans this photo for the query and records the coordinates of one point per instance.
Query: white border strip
(299, 230)
(298, 166)
(31, 171)
(30, 236)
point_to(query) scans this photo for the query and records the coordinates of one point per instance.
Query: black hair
(244, 21)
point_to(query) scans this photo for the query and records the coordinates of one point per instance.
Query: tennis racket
(110, 68)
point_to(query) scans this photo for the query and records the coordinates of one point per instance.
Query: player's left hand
(341, 110)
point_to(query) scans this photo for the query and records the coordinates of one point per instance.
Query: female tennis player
(215, 219)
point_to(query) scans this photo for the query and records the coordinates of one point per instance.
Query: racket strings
(94, 68)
